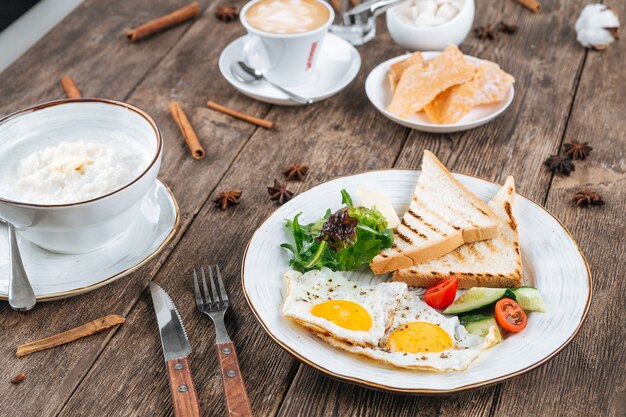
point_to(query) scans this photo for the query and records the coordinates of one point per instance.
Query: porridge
(70, 171)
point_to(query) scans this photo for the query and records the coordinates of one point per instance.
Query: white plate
(55, 276)
(338, 64)
(379, 92)
(552, 262)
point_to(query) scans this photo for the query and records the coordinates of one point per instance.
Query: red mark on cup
(309, 61)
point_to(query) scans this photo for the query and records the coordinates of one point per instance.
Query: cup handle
(255, 53)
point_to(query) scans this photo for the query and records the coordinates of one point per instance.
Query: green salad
(342, 241)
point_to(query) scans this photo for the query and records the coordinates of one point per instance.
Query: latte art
(287, 16)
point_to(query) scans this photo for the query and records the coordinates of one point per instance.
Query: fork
(214, 304)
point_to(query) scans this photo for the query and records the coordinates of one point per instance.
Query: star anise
(507, 28)
(577, 150)
(226, 13)
(560, 164)
(296, 171)
(485, 32)
(227, 199)
(584, 198)
(279, 193)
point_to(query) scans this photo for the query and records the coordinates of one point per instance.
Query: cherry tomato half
(510, 316)
(442, 294)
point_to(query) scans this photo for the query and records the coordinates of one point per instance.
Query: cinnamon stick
(79, 332)
(164, 22)
(71, 91)
(246, 117)
(532, 5)
(197, 151)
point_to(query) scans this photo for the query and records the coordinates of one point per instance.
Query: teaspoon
(245, 74)
(21, 294)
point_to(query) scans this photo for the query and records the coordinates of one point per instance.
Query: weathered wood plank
(588, 376)
(90, 46)
(546, 67)
(336, 137)
(192, 181)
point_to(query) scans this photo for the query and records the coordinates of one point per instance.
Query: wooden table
(564, 93)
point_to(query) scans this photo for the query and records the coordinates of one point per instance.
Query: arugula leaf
(346, 199)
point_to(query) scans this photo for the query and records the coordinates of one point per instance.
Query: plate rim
(422, 391)
(434, 127)
(121, 274)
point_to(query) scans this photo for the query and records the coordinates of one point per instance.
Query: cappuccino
(287, 16)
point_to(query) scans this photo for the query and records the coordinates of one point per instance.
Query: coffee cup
(285, 37)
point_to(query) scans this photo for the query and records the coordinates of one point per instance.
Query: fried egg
(423, 339)
(387, 322)
(331, 305)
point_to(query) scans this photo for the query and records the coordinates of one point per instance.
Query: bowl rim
(406, 26)
(121, 104)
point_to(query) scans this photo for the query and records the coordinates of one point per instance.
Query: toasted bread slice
(493, 263)
(443, 215)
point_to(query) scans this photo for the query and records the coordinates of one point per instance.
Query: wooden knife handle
(236, 398)
(183, 388)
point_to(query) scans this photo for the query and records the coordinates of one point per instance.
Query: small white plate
(552, 262)
(338, 64)
(379, 92)
(54, 276)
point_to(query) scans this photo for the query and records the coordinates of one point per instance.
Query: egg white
(306, 290)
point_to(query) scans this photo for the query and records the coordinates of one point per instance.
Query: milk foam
(287, 16)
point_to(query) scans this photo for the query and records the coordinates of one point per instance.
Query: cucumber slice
(477, 298)
(470, 318)
(480, 324)
(529, 299)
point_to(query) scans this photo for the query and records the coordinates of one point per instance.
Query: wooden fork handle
(183, 388)
(236, 398)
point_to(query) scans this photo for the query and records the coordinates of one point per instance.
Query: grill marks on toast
(419, 218)
(405, 238)
(412, 229)
(415, 230)
(475, 254)
(480, 210)
(428, 211)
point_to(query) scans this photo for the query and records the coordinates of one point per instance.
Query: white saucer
(379, 93)
(338, 64)
(55, 276)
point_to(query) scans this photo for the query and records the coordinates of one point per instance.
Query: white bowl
(87, 225)
(431, 38)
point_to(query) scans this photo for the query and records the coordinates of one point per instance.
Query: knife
(176, 349)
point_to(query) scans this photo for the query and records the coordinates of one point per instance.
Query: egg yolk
(419, 337)
(346, 314)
